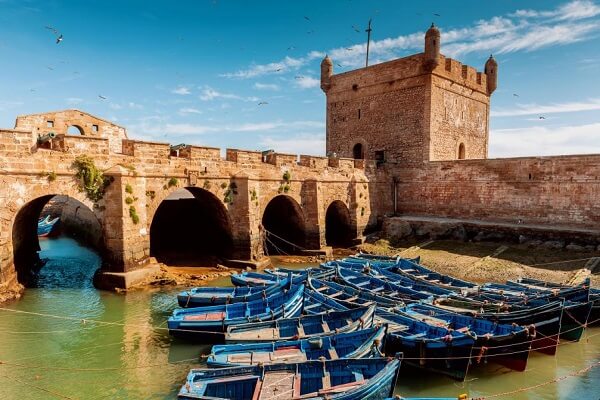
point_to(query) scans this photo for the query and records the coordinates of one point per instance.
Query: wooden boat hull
(574, 318)
(208, 324)
(358, 344)
(505, 344)
(211, 296)
(302, 327)
(425, 346)
(349, 296)
(343, 379)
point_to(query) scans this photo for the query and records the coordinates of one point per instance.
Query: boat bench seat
(215, 316)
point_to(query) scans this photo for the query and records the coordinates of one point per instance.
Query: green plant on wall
(128, 200)
(233, 187)
(151, 194)
(206, 185)
(223, 185)
(51, 176)
(91, 179)
(133, 214)
(253, 195)
(228, 196)
(286, 188)
(287, 176)
(173, 182)
(128, 188)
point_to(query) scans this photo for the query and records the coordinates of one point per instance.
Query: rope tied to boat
(532, 331)
(482, 352)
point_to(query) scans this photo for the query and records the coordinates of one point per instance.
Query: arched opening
(338, 225)
(75, 130)
(57, 242)
(461, 151)
(358, 152)
(283, 221)
(191, 227)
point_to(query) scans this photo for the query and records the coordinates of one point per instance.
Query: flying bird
(298, 77)
(291, 47)
(278, 69)
(349, 49)
(102, 97)
(355, 29)
(437, 15)
(311, 31)
(515, 95)
(542, 117)
(262, 103)
(59, 36)
(340, 65)
(306, 18)
(50, 68)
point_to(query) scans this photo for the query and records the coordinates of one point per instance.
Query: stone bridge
(165, 201)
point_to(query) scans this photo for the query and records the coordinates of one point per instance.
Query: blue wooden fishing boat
(505, 344)
(576, 307)
(543, 319)
(426, 346)
(350, 296)
(211, 322)
(249, 278)
(342, 379)
(358, 344)
(210, 296)
(305, 326)
(403, 280)
(46, 225)
(358, 280)
(301, 274)
(423, 274)
(317, 303)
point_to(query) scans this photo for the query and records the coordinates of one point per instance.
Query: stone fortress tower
(424, 107)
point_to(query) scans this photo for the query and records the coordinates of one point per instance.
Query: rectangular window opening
(50, 124)
(94, 128)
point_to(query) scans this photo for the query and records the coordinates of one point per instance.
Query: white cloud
(544, 141)
(531, 109)
(311, 144)
(524, 30)
(573, 10)
(307, 82)
(135, 106)
(181, 90)
(189, 110)
(209, 94)
(266, 86)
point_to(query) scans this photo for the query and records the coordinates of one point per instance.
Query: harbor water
(67, 340)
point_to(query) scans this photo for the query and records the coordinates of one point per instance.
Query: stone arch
(461, 151)
(285, 227)
(338, 225)
(75, 130)
(25, 241)
(191, 226)
(358, 151)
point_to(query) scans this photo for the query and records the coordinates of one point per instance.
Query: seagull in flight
(340, 65)
(437, 15)
(542, 117)
(515, 95)
(262, 103)
(59, 36)
(50, 68)
(102, 97)
(355, 29)
(306, 18)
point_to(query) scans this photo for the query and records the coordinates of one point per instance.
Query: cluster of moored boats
(342, 330)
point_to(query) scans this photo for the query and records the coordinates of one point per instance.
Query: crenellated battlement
(466, 75)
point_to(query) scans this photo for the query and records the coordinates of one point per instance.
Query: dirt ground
(493, 262)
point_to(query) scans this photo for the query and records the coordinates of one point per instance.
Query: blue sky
(196, 71)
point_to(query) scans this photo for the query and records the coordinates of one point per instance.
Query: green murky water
(133, 356)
